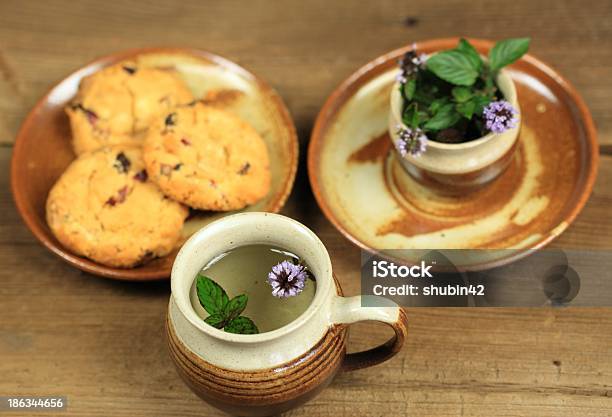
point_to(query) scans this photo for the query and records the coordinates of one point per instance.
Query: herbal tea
(253, 289)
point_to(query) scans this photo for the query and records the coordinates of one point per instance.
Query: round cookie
(207, 158)
(117, 104)
(105, 208)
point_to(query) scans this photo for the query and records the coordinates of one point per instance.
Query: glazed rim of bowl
(396, 99)
(380, 65)
(28, 213)
(260, 225)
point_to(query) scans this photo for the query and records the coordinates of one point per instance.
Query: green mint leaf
(235, 306)
(507, 51)
(212, 297)
(437, 104)
(454, 67)
(411, 116)
(444, 118)
(462, 94)
(480, 102)
(409, 89)
(471, 53)
(425, 93)
(241, 325)
(466, 109)
(215, 320)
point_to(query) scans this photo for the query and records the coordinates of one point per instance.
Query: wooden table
(101, 343)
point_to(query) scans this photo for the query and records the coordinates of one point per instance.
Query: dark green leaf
(409, 89)
(241, 325)
(466, 48)
(466, 109)
(462, 94)
(212, 297)
(444, 118)
(438, 103)
(480, 102)
(411, 115)
(424, 94)
(215, 320)
(453, 66)
(235, 306)
(507, 51)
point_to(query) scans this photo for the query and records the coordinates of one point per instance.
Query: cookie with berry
(116, 104)
(105, 208)
(207, 158)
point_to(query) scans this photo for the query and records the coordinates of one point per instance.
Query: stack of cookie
(146, 150)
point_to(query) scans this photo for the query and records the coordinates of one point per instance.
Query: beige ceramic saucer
(364, 192)
(42, 149)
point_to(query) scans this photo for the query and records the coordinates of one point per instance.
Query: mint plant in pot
(455, 116)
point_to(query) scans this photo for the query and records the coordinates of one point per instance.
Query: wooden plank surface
(101, 343)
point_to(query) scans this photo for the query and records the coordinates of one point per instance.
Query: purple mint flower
(500, 116)
(410, 64)
(410, 141)
(287, 279)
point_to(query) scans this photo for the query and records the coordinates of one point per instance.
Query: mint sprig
(446, 96)
(463, 65)
(223, 312)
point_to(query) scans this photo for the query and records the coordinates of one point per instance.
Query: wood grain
(101, 343)
(304, 49)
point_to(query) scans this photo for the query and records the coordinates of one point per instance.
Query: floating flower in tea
(287, 279)
(243, 272)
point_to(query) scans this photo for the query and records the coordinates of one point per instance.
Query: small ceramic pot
(271, 372)
(459, 167)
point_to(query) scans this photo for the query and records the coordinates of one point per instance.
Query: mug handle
(347, 310)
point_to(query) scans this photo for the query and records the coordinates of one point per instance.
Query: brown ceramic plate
(363, 191)
(42, 149)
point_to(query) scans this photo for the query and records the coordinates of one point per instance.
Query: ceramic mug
(459, 167)
(271, 372)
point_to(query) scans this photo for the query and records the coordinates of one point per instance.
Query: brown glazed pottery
(271, 372)
(42, 149)
(457, 168)
(365, 191)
